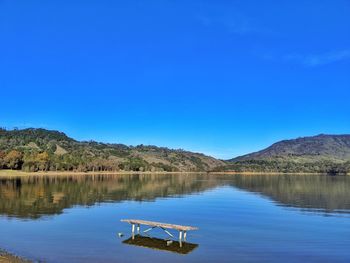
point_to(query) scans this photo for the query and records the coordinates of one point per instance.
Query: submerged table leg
(180, 235)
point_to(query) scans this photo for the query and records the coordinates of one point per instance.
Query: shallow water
(258, 218)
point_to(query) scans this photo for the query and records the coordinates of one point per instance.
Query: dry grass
(14, 173)
(60, 150)
(6, 257)
(262, 173)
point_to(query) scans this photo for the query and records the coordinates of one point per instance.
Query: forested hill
(46, 150)
(322, 153)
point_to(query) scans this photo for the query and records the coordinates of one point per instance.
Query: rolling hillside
(321, 153)
(40, 149)
(46, 150)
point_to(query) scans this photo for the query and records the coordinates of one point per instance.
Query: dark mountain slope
(322, 153)
(335, 147)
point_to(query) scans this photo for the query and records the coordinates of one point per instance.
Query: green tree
(13, 160)
(2, 161)
(43, 161)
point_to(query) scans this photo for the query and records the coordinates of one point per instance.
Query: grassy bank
(6, 257)
(16, 173)
(262, 173)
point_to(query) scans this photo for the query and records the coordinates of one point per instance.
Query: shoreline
(265, 173)
(13, 173)
(16, 173)
(6, 257)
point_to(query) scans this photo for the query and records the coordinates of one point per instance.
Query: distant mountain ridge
(40, 149)
(335, 147)
(322, 154)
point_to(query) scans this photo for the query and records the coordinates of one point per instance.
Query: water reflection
(319, 193)
(161, 244)
(36, 196)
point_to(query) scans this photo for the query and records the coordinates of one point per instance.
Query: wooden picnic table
(164, 226)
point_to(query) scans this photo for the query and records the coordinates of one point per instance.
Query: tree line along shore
(40, 150)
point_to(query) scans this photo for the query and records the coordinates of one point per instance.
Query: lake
(255, 218)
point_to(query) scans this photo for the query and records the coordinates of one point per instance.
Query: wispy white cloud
(314, 60)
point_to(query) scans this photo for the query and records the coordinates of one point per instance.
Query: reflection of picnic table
(161, 244)
(182, 229)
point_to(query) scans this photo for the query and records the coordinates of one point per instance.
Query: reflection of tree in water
(32, 197)
(35, 196)
(311, 192)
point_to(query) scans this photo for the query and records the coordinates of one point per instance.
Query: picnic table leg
(149, 229)
(185, 235)
(138, 229)
(133, 228)
(180, 238)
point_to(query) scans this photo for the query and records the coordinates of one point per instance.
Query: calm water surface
(260, 218)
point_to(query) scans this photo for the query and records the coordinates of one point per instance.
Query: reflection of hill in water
(33, 197)
(310, 192)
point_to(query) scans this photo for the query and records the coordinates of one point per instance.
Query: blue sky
(220, 77)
